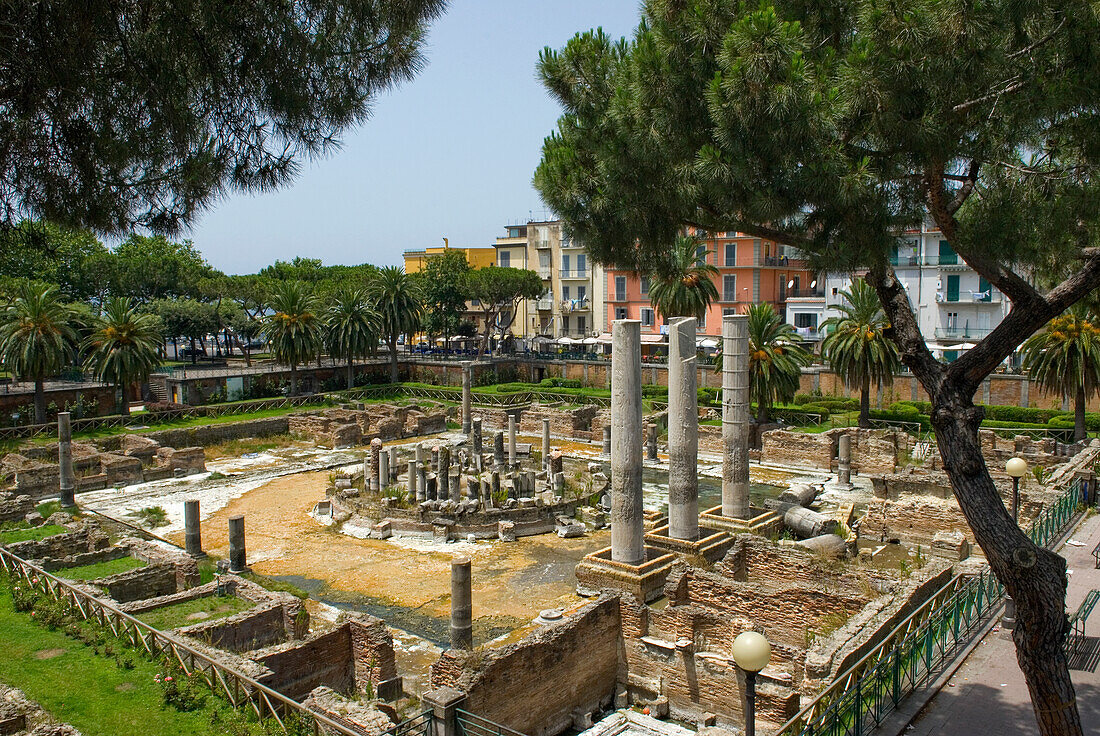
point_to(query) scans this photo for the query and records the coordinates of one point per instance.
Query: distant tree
(396, 298)
(308, 270)
(350, 328)
(445, 292)
(775, 358)
(294, 326)
(48, 253)
(142, 114)
(36, 339)
(1065, 359)
(682, 283)
(122, 348)
(188, 318)
(498, 291)
(856, 345)
(147, 268)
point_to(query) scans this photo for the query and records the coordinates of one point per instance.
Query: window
(731, 254)
(952, 320)
(806, 320)
(582, 292)
(565, 266)
(729, 288)
(565, 293)
(947, 254)
(985, 291)
(515, 232)
(621, 313)
(544, 265)
(505, 259)
(565, 325)
(620, 289)
(953, 288)
(582, 264)
(727, 311)
(701, 255)
(580, 325)
(647, 317)
(645, 285)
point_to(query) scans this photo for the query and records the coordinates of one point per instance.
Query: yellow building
(415, 260)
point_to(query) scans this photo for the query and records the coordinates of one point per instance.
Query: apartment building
(750, 271)
(955, 307)
(415, 260)
(573, 303)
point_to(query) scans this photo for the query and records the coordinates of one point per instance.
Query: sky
(449, 154)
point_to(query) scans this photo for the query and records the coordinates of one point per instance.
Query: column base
(762, 522)
(645, 581)
(711, 545)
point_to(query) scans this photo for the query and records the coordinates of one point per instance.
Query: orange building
(750, 271)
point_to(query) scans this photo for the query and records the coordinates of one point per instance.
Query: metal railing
(233, 685)
(911, 655)
(418, 725)
(469, 724)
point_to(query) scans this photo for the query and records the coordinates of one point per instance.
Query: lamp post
(751, 652)
(1016, 467)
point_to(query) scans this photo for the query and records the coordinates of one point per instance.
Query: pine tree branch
(904, 328)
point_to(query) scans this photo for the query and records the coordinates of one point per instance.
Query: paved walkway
(987, 694)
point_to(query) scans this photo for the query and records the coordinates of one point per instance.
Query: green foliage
(294, 327)
(775, 358)
(38, 251)
(1065, 359)
(683, 284)
(151, 516)
(560, 383)
(444, 288)
(499, 291)
(11, 532)
(397, 300)
(122, 348)
(182, 690)
(36, 338)
(97, 570)
(144, 268)
(350, 327)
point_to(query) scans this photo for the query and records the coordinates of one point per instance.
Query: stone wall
(255, 628)
(60, 546)
(566, 666)
(15, 508)
(145, 582)
(873, 450)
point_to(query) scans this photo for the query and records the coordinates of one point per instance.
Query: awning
(589, 341)
(567, 341)
(653, 339)
(604, 339)
(708, 343)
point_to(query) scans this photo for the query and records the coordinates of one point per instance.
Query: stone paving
(987, 694)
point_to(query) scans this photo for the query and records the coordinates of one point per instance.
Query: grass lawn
(77, 686)
(195, 611)
(12, 534)
(100, 569)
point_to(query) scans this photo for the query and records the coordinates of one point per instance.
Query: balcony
(575, 305)
(574, 273)
(570, 244)
(805, 294)
(542, 244)
(544, 273)
(620, 296)
(783, 262)
(544, 304)
(962, 333)
(913, 261)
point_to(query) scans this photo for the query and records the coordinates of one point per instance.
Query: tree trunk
(247, 349)
(1079, 429)
(194, 355)
(1034, 577)
(393, 359)
(293, 379)
(124, 407)
(351, 375)
(865, 403)
(39, 401)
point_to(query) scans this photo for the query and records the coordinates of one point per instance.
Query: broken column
(683, 431)
(414, 489)
(498, 450)
(454, 483)
(192, 534)
(627, 527)
(393, 465)
(443, 473)
(735, 416)
(467, 397)
(546, 443)
(651, 441)
(844, 460)
(237, 557)
(383, 470)
(462, 599)
(65, 459)
(511, 440)
(421, 481)
(476, 424)
(375, 451)
(607, 441)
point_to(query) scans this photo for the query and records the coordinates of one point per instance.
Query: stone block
(570, 530)
(951, 545)
(121, 469)
(506, 531)
(135, 445)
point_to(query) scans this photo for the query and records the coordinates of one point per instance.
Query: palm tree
(36, 338)
(350, 327)
(685, 284)
(123, 345)
(294, 327)
(856, 346)
(775, 359)
(396, 298)
(1065, 358)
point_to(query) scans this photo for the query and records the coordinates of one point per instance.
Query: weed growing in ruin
(216, 476)
(151, 516)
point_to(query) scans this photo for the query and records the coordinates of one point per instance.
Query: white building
(955, 307)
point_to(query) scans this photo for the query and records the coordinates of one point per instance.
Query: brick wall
(298, 667)
(256, 628)
(145, 582)
(568, 665)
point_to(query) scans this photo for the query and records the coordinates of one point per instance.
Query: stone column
(529, 486)
(435, 459)
(443, 473)
(192, 534)
(383, 470)
(511, 441)
(375, 451)
(414, 488)
(545, 443)
(683, 431)
(494, 486)
(454, 483)
(467, 398)
(844, 460)
(65, 459)
(607, 441)
(476, 427)
(627, 524)
(393, 465)
(498, 450)
(735, 416)
(237, 557)
(651, 441)
(462, 598)
(473, 485)
(421, 481)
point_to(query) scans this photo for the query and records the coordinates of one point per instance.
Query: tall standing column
(475, 424)
(462, 605)
(415, 491)
(735, 416)
(498, 450)
(627, 524)
(444, 473)
(467, 398)
(844, 460)
(383, 470)
(65, 459)
(192, 533)
(394, 467)
(545, 443)
(511, 441)
(375, 451)
(237, 556)
(683, 431)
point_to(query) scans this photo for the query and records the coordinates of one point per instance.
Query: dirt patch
(48, 653)
(124, 687)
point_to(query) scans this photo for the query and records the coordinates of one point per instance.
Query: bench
(1096, 555)
(1078, 618)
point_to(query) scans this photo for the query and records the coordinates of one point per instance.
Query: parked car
(189, 352)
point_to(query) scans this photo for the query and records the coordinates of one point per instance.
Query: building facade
(415, 260)
(750, 271)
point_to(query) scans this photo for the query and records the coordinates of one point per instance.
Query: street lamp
(751, 652)
(1016, 467)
